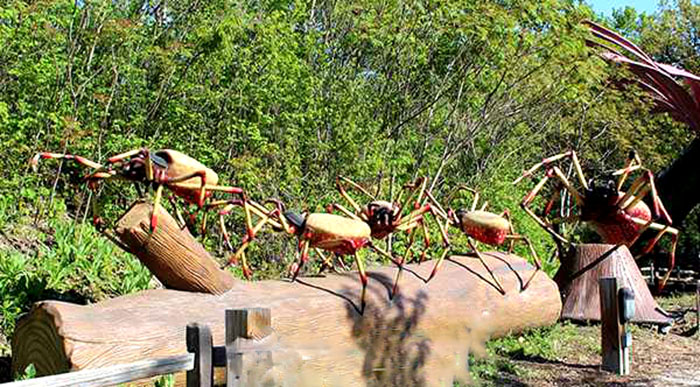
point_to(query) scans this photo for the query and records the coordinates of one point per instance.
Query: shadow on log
(413, 340)
(319, 336)
(578, 280)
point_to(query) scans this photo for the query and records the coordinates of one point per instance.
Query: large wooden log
(170, 252)
(421, 337)
(580, 272)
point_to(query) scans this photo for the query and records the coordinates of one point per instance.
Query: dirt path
(671, 359)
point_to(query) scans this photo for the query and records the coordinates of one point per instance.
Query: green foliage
(280, 97)
(165, 381)
(29, 373)
(549, 344)
(63, 260)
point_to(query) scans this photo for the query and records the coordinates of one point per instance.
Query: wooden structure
(111, 375)
(578, 281)
(615, 339)
(317, 329)
(317, 335)
(170, 252)
(697, 308)
(246, 331)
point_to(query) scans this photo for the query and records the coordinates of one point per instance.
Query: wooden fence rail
(241, 325)
(116, 374)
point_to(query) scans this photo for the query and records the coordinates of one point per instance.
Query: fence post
(611, 329)
(242, 324)
(199, 342)
(697, 307)
(617, 308)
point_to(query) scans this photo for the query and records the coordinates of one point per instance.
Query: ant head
(382, 206)
(134, 167)
(297, 220)
(602, 190)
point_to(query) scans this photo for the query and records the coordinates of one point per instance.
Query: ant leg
(325, 261)
(632, 164)
(464, 187)
(639, 189)
(545, 162)
(303, 251)
(435, 205)
(34, 162)
(481, 258)
(662, 230)
(410, 189)
(363, 278)
(178, 214)
(125, 155)
(202, 175)
(525, 205)
(345, 211)
(156, 207)
(538, 265)
(339, 180)
(438, 264)
(240, 253)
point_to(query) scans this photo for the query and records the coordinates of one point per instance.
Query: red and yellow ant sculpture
(319, 231)
(485, 227)
(619, 217)
(385, 218)
(186, 177)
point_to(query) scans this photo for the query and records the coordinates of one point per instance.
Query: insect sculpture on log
(323, 232)
(619, 217)
(186, 177)
(385, 218)
(486, 227)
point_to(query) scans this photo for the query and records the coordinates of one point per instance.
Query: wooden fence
(241, 355)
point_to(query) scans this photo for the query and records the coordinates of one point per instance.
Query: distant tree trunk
(679, 184)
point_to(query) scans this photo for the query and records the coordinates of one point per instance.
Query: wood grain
(610, 328)
(319, 337)
(578, 278)
(170, 252)
(112, 375)
(199, 343)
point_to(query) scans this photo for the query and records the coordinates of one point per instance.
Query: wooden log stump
(578, 280)
(421, 337)
(170, 252)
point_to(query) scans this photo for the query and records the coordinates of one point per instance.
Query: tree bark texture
(170, 252)
(578, 278)
(420, 337)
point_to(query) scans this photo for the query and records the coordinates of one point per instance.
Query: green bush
(279, 98)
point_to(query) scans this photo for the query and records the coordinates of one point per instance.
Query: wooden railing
(246, 330)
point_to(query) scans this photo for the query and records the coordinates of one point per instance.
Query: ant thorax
(296, 220)
(457, 217)
(600, 200)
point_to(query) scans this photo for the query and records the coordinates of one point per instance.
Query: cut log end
(43, 346)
